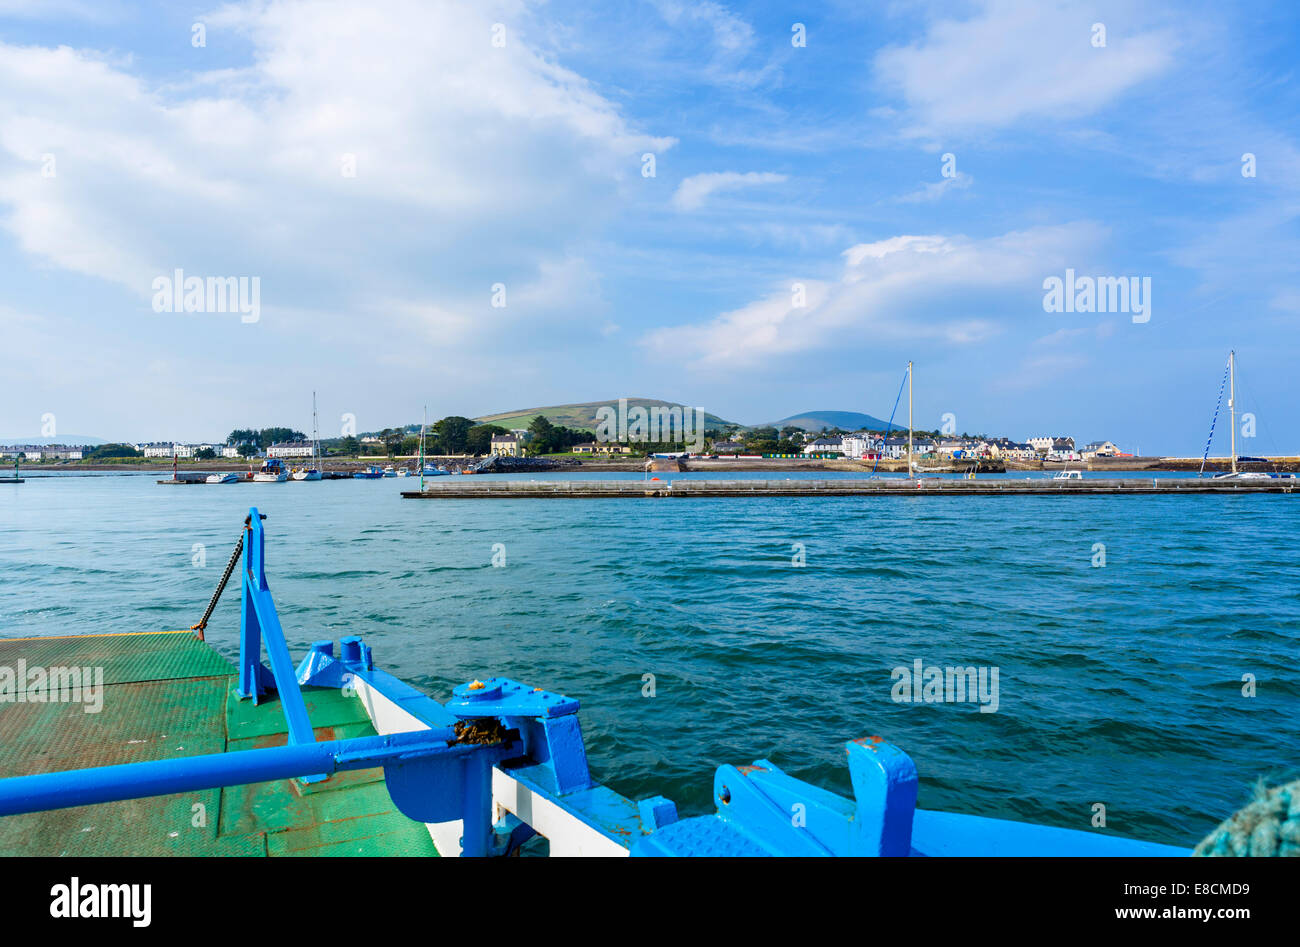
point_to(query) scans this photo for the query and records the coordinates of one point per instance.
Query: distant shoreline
(771, 465)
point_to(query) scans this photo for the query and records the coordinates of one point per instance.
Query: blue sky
(774, 165)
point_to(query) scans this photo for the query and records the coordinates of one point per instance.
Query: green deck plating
(168, 694)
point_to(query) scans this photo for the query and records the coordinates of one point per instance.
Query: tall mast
(909, 419)
(424, 421)
(1232, 403)
(315, 430)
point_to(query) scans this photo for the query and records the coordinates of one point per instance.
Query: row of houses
(169, 449)
(35, 452)
(867, 446)
(1063, 448)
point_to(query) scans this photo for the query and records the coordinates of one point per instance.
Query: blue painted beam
(80, 787)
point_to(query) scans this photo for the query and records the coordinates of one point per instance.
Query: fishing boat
(432, 470)
(1068, 475)
(403, 472)
(273, 471)
(481, 774)
(312, 470)
(372, 472)
(390, 471)
(222, 478)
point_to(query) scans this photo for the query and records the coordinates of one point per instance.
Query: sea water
(1145, 647)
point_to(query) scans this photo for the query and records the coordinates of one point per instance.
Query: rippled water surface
(1120, 685)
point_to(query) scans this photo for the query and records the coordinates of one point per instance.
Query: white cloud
(715, 44)
(730, 33)
(951, 290)
(696, 189)
(1021, 59)
(937, 189)
(470, 161)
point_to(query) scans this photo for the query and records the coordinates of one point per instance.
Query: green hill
(845, 420)
(582, 415)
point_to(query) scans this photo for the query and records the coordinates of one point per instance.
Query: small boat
(430, 470)
(222, 478)
(1069, 475)
(370, 473)
(273, 471)
(312, 470)
(389, 471)
(403, 472)
(1243, 475)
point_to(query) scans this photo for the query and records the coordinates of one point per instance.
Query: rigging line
(890, 426)
(1213, 421)
(1246, 397)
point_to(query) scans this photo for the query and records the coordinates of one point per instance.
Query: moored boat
(370, 473)
(1234, 474)
(311, 471)
(273, 471)
(222, 478)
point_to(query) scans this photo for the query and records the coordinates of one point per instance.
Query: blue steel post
(261, 624)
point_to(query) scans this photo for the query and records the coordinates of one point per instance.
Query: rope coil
(1267, 827)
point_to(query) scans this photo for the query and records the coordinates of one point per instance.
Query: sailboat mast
(1232, 403)
(315, 431)
(909, 419)
(424, 422)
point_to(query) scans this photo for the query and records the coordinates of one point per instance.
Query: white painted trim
(568, 835)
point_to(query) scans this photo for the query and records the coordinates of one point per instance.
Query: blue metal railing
(82, 787)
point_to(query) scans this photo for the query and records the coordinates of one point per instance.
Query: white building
(230, 452)
(290, 449)
(824, 445)
(860, 444)
(1045, 444)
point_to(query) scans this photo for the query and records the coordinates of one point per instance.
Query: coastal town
(757, 443)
